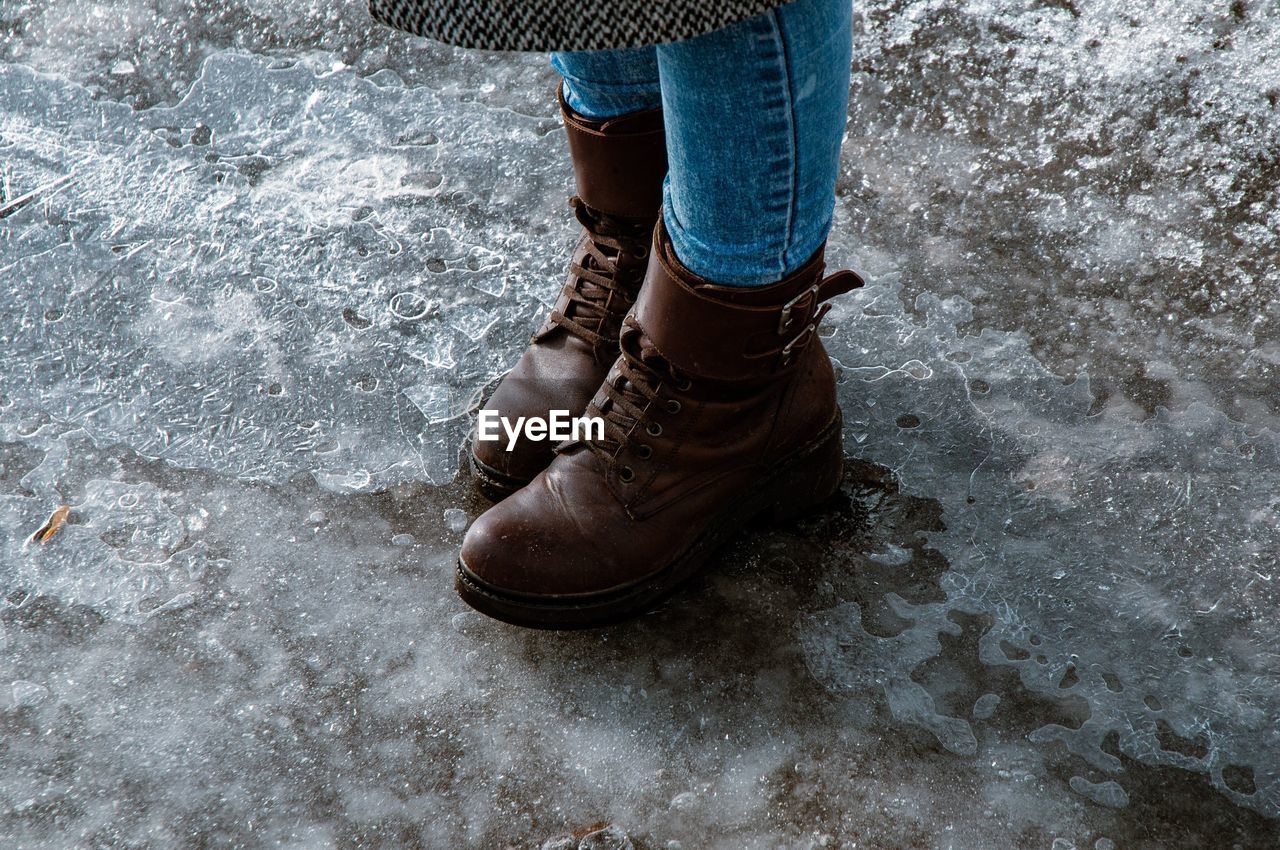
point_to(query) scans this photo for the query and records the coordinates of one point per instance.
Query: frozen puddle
(243, 335)
(276, 275)
(1131, 565)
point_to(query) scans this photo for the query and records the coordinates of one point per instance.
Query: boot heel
(807, 479)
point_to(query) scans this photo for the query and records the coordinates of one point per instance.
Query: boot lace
(597, 277)
(641, 375)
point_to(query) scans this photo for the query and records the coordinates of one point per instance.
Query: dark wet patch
(1170, 741)
(16, 460)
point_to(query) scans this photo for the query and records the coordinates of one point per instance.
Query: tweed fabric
(547, 25)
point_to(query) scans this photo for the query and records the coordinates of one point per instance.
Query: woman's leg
(754, 117)
(720, 408)
(755, 114)
(602, 84)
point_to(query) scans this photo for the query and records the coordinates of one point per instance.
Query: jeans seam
(793, 206)
(784, 165)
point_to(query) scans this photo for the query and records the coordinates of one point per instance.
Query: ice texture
(273, 276)
(261, 259)
(1114, 560)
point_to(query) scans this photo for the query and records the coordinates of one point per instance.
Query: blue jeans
(754, 114)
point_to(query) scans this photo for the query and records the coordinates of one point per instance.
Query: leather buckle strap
(837, 284)
(802, 339)
(724, 333)
(784, 321)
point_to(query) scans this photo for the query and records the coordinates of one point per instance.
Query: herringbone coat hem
(546, 25)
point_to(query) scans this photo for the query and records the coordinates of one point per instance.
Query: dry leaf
(50, 528)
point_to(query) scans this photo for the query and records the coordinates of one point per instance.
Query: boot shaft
(618, 164)
(733, 333)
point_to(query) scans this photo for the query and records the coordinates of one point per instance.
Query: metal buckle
(803, 335)
(785, 321)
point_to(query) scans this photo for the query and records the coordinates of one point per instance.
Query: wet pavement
(261, 259)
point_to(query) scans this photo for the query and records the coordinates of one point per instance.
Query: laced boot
(619, 166)
(719, 411)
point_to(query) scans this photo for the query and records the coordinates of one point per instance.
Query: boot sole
(492, 484)
(801, 481)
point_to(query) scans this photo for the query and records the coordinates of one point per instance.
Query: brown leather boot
(719, 411)
(619, 166)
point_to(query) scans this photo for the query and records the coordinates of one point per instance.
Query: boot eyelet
(653, 429)
(684, 384)
(626, 475)
(645, 452)
(673, 406)
(641, 253)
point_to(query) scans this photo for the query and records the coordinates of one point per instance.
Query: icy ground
(260, 256)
